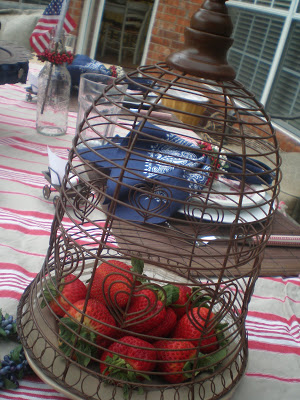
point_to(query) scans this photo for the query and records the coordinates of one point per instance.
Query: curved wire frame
(186, 202)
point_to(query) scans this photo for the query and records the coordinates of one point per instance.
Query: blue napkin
(138, 83)
(164, 165)
(161, 166)
(82, 64)
(14, 73)
(256, 173)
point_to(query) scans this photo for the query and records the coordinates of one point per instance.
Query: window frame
(289, 15)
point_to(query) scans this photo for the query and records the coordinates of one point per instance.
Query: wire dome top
(177, 176)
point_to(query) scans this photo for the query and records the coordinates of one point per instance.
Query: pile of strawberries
(134, 328)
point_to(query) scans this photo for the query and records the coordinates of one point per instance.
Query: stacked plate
(224, 203)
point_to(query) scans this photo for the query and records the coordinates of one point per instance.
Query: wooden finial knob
(207, 42)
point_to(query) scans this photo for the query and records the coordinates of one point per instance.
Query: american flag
(41, 36)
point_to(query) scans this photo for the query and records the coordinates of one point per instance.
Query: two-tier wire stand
(191, 197)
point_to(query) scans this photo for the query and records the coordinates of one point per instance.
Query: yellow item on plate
(194, 104)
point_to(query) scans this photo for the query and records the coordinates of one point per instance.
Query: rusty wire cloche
(179, 177)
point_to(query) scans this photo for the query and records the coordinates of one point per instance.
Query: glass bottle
(53, 98)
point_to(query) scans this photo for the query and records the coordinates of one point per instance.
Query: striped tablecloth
(273, 321)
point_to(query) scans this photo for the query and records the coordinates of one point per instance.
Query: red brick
(183, 21)
(176, 45)
(174, 10)
(161, 41)
(180, 29)
(160, 8)
(175, 3)
(166, 18)
(168, 34)
(155, 31)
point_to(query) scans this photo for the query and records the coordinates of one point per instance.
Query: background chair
(130, 34)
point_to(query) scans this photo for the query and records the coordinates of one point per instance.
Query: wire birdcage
(182, 175)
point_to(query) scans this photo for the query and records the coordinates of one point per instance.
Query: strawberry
(129, 359)
(96, 325)
(112, 283)
(195, 326)
(145, 311)
(180, 305)
(178, 359)
(166, 326)
(59, 296)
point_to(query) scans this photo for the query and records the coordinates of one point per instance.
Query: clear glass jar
(53, 98)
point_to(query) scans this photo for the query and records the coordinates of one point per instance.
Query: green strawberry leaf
(143, 279)
(137, 265)
(126, 392)
(200, 300)
(85, 348)
(222, 325)
(140, 390)
(129, 374)
(172, 294)
(187, 368)
(210, 362)
(223, 342)
(49, 293)
(207, 362)
(67, 333)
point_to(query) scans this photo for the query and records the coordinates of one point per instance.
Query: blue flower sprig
(8, 327)
(14, 366)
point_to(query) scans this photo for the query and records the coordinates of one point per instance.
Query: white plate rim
(255, 196)
(228, 216)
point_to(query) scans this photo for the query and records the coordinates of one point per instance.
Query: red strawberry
(97, 318)
(180, 305)
(145, 311)
(69, 290)
(194, 326)
(112, 283)
(178, 357)
(166, 326)
(130, 359)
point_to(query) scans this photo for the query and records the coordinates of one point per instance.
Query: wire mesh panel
(148, 276)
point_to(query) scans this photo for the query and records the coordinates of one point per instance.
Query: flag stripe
(41, 35)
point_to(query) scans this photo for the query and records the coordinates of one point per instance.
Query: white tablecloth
(273, 321)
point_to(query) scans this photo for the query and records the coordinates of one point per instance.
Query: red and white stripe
(32, 389)
(271, 332)
(32, 147)
(41, 37)
(33, 223)
(27, 178)
(14, 280)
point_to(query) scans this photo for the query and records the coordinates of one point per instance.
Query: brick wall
(168, 31)
(75, 11)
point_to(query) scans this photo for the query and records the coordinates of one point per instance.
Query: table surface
(273, 320)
